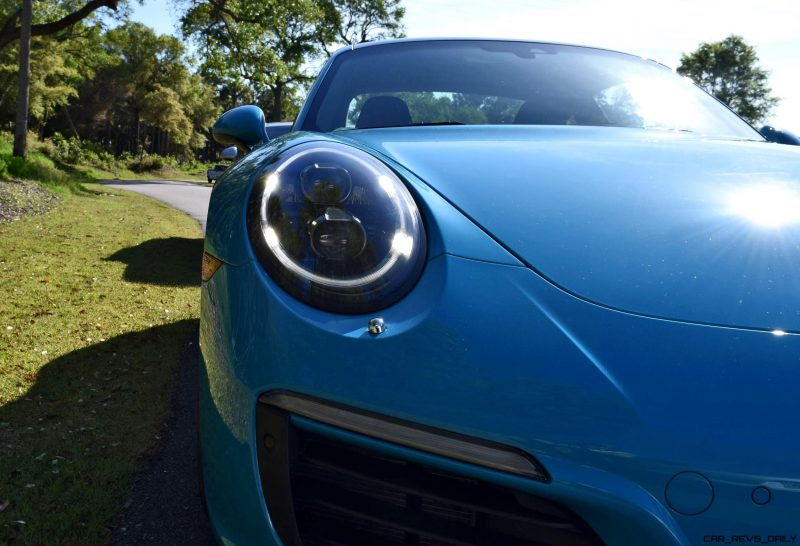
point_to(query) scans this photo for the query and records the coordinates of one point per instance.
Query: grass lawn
(98, 299)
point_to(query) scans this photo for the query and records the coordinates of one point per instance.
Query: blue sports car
(502, 293)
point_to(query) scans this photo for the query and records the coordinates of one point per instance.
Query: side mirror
(242, 127)
(781, 136)
(229, 153)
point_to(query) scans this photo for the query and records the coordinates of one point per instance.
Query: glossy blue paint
(605, 400)
(603, 299)
(243, 127)
(780, 136)
(631, 219)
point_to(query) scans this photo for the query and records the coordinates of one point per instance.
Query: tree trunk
(138, 133)
(71, 125)
(277, 102)
(21, 127)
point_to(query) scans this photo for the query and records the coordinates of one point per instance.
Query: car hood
(661, 224)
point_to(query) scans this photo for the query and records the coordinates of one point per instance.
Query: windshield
(493, 82)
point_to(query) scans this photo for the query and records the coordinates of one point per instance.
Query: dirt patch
(19, 198)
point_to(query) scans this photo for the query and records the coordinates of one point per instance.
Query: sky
(662, 30)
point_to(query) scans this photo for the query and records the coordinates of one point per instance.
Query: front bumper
(623, 412)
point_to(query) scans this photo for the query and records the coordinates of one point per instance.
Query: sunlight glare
(768, 205)
(402, 243)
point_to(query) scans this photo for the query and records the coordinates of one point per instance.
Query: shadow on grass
(70, 446)
(173, 261)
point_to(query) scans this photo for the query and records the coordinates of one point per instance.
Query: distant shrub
(191, 164)
(67, 150)
(49, 159)
(47, 147)
(150, 162)
(74, 151)
(146, 163)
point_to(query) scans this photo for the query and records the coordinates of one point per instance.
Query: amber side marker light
(210, 266)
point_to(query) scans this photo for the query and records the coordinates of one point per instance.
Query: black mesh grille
(322, 492)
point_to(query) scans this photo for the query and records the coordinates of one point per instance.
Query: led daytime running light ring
(401, 243)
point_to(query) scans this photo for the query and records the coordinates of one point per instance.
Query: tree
(10, 32)
(254, 49)
(145, 95)
(58, 69)
(357, 21)
(729, 70)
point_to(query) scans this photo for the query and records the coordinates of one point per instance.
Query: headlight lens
(336, 228)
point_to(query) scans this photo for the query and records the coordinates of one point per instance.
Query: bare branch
(10, 31)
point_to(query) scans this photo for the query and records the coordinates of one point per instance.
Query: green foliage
(150, 162)
(729, 70)
(149, 83)
(63, 164)
(6, 143)
(74, 151)
(162, 108)
(125, 88)
(356, 21)
(128, 89)
(45, 11)
(54, 79)
(69, 150)
(52, 20)
(251, 49)
(40, 168)
(257, 51)
(37, 166)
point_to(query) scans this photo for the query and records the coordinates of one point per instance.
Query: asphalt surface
(165, 505)
(190, 198)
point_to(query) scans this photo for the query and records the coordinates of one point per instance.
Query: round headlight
(336, 228)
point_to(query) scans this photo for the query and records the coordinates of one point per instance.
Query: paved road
(190, 198)
(165, 506)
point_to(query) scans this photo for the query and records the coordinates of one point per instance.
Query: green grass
(166, 173)
(37, 166)
(98, 299)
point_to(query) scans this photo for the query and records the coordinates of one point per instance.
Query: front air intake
(322, 491)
